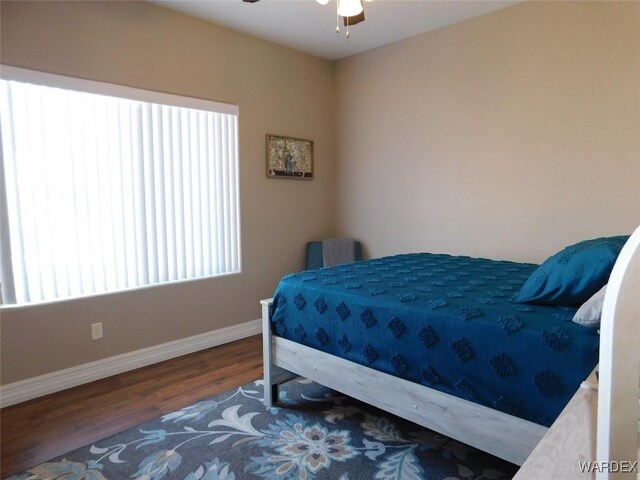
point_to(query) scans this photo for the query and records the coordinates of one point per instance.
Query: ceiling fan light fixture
(349, 8)
(322, 2)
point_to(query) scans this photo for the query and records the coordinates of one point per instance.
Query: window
(106, 187)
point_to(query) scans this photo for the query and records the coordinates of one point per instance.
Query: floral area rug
(314, 433)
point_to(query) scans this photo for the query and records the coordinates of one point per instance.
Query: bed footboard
(266, 353)
(272, 374)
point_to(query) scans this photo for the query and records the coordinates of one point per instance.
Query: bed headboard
(618, 384)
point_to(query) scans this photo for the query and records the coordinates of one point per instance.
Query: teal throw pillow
(573, 275)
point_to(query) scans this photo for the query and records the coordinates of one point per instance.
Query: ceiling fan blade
(250, 1)
(353, 20)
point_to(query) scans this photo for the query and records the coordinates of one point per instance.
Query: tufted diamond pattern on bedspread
(445, 322)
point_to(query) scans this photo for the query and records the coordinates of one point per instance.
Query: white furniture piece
(570, 438)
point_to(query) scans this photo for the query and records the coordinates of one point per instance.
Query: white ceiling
(310, 27)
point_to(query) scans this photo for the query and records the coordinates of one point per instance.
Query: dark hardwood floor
(38, 430)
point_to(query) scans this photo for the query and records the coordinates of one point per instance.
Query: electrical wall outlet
(96, 330)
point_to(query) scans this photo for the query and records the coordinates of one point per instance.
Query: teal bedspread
(445, 322)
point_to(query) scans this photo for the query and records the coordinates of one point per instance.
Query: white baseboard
(34, 387)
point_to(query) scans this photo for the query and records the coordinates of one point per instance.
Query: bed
(433, 339)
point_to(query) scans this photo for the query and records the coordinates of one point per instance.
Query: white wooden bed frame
(492, 431)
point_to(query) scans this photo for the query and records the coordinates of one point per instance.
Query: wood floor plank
(38, 430)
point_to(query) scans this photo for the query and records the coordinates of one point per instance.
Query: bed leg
(270, 389)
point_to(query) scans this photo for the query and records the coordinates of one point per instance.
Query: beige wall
(507, 136)
(278, 90)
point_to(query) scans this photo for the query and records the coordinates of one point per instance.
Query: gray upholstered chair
(315, 256)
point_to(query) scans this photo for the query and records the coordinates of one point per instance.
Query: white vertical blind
(106, 193)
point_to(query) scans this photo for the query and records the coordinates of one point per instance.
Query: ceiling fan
(351, 11)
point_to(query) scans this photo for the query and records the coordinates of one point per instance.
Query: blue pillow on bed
(573, 275)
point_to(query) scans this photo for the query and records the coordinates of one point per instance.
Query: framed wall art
(289, 157)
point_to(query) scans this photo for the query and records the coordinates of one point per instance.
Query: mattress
(444, 322)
